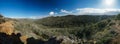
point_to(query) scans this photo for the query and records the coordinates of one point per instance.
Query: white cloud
(65, 11)
(96, 11)
(51, 13)
(88, 11)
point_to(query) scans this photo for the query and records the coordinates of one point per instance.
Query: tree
(118, 17)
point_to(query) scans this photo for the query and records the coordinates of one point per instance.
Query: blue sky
(41, 8)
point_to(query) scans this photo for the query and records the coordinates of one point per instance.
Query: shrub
(118, 17)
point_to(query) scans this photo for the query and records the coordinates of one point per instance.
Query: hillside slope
(72, 29)
(84, 29)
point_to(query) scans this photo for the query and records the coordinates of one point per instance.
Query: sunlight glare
(109, 2)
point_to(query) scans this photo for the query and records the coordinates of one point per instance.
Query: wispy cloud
(96, 11)
(65, 11)
(91, 11)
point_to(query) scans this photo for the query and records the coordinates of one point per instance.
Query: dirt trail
(7, 27)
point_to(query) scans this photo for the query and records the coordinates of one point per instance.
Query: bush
(118, 17)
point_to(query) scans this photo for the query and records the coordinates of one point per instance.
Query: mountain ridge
(94, 30)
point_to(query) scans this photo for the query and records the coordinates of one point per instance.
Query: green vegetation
(81, 29)
(71, 20)
(118, 17)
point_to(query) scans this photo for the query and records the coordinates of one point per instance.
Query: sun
(109, 2)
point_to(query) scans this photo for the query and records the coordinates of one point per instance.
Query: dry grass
(7, 27)
(24, 39)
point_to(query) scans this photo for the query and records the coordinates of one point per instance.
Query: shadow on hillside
(34, 41)
(10, 39)
(15, 39)
(37, 41)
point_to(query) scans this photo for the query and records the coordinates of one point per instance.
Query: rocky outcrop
(7, 27)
